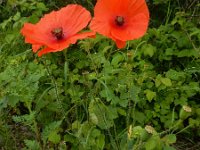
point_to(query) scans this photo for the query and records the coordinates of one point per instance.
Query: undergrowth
(95, 96)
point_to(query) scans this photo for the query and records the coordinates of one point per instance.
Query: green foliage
(95, 96)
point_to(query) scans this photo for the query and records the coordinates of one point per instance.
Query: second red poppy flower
(120, 20)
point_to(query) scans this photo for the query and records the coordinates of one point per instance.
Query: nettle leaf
(102, 115)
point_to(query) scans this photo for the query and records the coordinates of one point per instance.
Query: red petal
(66, 43)
(74, 18)
(71, 40)
(101, 27)
(135, 13)
(120, 44)
(36, 47)
(135, 28)
(45, 50)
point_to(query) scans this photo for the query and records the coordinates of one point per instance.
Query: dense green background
(95, 96)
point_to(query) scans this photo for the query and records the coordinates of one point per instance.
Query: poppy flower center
(58, 33)
(119, 20)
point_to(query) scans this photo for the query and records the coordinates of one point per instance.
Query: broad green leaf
(170, 139)
(168, 148)
(153, 143)
(150, 95)
(54, 137)
(175, 75)
(166, 81)
(188, 53)
(149, 50)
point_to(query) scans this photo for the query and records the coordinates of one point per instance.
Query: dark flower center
(58, 33)
(119, 20)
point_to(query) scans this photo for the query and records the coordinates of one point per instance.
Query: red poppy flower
(58, 29)
(120, 20)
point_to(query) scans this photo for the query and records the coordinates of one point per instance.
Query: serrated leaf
(32, 144)
(49, 129)
(26, 119)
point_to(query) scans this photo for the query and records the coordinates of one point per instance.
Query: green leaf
(166, 81)
(175, 75)
(134, 92)
(17, 16)
(54, 137)
(168, 148)
(170, 139)
(149, 50)
(94, 118)
(150, 144)
(102, 115)
(32, 144)
(41, 6)
(153, 143)
(26, 119)
(150, 95)
(50, 129)
(188, 53)
(117, 58)
(13, 100)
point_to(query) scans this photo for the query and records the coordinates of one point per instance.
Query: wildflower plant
(108, 78)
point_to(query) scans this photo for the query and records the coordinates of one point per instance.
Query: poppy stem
(66, 71)
(55, 87)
